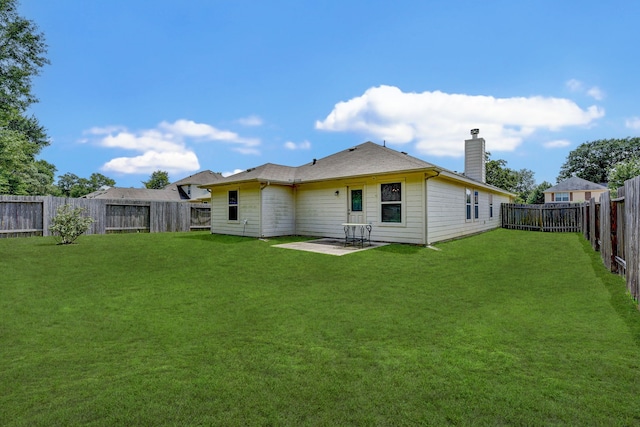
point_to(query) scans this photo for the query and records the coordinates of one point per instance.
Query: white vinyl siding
(447, 210)
(248, 209)
(278, 210)
(319, 212)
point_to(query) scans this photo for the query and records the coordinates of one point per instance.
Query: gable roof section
(575, 184)
(365, 159)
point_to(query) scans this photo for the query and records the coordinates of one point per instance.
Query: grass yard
(503, 328)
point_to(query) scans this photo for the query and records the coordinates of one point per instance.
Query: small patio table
(357, 234)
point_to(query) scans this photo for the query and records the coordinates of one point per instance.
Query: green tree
(536, 197)
(158, 180)
(621, 172)
(593, 160)
(520, 182)
(22, 55)
(20, 174)
(71, 185)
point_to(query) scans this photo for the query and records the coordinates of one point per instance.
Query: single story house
(403, 198)
(573, 190)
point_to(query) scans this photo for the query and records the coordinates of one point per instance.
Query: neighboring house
(405, 199)
(573, 190)
(189, 189)
(185, 189)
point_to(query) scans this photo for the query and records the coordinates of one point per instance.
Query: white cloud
(633, 123)
(559, 143)
(577, 86)
(252, 120)
(235, 171)
(596, 93)
(167, 146)
(437, 122)
(574, 85)
(150, 161)
(304, 145)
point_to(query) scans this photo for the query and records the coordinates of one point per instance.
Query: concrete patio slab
(328, 246)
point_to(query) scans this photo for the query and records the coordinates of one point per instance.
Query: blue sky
(136, 86)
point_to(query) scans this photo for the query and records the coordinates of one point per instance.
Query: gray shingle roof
(364, 159)
(575, 184)
(203, 177)
(145, 194)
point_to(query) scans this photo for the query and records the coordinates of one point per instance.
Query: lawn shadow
(401, 249)
(621, 300)
(217, 238)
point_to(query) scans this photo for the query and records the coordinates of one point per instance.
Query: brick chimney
(474, 157)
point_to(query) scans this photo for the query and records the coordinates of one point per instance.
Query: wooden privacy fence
(22, 216)
(565, 217)
(612, 226)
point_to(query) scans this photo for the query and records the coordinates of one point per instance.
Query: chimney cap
(475, 132)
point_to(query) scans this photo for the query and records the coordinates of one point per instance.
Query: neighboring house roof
(196, 179)
(575, 184)
(172, 192)
(364, 159)
(203, 177)
(145, 194)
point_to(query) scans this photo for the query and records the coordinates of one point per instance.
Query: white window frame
(236, 205)
(476, 205)
(401, 202)
(468, 212)
(565, 197)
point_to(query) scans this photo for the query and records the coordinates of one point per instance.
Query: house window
(476, 209)
(490, 205)
(562, 197)
(468, 203)
(233, 205)
(391, 202)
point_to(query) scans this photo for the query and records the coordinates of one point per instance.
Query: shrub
(69, 224)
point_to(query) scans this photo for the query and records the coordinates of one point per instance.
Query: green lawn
(503, 328)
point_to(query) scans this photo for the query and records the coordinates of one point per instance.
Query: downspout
(426, 209)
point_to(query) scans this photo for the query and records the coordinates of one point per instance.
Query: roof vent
(314, 161)
(352, 148)
(404, 152)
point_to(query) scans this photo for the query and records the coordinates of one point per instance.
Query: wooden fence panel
(632, 237)
(126, 218)
(31, 215)
(21, 217)
(621, 234)
(200, 217)
(594, 224)
(606, 235)
(552, 218)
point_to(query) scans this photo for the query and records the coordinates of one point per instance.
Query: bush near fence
(23, 216)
